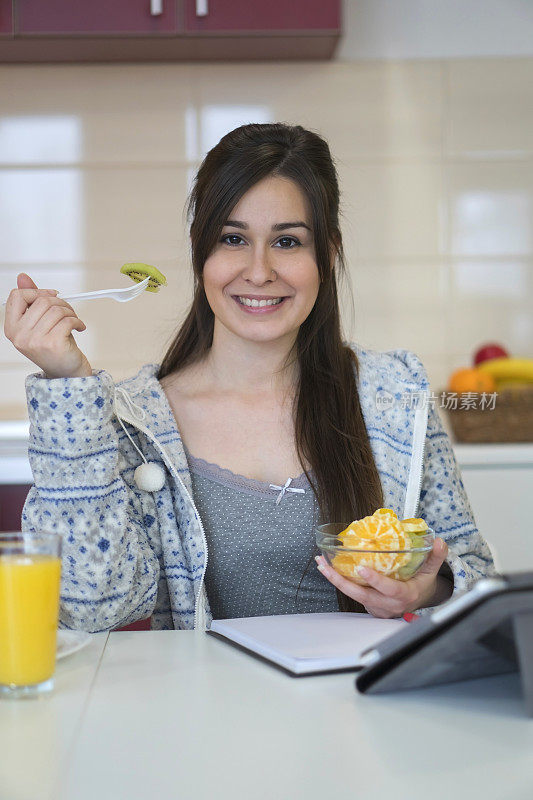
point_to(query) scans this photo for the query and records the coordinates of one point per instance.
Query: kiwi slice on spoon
(138, 272)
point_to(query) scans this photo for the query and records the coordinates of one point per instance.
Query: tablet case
(488, 631)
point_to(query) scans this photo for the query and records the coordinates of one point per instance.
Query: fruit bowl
(400, 564)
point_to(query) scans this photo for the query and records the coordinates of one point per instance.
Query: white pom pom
(149, 477)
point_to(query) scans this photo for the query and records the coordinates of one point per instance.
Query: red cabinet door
(12, 498)
(93, 17)
(6, 17)
(262, 15)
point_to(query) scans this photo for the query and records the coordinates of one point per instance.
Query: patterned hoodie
(129, 554)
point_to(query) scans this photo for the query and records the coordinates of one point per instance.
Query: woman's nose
(260, 268)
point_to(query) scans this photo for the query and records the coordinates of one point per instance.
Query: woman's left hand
(386, 597)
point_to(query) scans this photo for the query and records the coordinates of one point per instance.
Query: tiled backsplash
(435, 160)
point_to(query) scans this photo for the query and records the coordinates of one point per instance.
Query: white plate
(69, 642)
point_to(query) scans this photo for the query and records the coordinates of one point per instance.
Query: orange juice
(29, 604)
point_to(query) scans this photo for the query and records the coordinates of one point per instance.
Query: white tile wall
(435, 160)
(491, 208)
(490, 107)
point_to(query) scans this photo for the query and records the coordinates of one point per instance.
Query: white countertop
(14, 431)
(180, 714)
(15, 468)
(46, 728)
(14, 464)
(512, 454)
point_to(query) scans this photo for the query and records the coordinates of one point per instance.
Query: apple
(488, 351)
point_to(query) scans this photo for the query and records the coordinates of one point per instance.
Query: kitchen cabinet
(125, 17)
(171, 30)
(498, 480)
(500, 500)
(6, 18)
(244, 15)
(12, 497)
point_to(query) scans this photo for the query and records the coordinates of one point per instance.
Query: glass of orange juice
(30, 570)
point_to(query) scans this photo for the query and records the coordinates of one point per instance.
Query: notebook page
(320, 640)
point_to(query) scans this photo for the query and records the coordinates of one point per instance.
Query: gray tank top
(261, 541)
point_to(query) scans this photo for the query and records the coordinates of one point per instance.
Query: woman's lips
(267, 309)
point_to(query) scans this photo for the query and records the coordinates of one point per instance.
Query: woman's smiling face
(261, 279)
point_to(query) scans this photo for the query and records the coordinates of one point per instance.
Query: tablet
(486, 631)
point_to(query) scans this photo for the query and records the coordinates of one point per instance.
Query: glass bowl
(398, 564)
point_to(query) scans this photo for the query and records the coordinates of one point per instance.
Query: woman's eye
(291, 241)
(228, 236)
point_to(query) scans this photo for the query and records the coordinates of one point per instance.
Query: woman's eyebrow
(280, 226)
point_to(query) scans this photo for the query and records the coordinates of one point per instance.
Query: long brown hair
(330, 431)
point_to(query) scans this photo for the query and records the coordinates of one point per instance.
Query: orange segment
(385, 512)
(372, 526)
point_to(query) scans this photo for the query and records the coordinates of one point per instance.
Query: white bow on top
(286, 488)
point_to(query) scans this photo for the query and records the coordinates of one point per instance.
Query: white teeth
(245, 301)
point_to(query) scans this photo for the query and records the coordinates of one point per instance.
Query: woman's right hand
(40, 326)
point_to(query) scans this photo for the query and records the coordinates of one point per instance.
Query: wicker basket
(510, 420)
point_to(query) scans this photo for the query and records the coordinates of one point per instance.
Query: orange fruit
(380, 531)
(348, 564)
(471, 379)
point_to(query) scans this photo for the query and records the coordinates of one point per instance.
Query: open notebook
(308, 643)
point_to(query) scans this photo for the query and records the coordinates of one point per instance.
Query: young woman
(259, 423)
